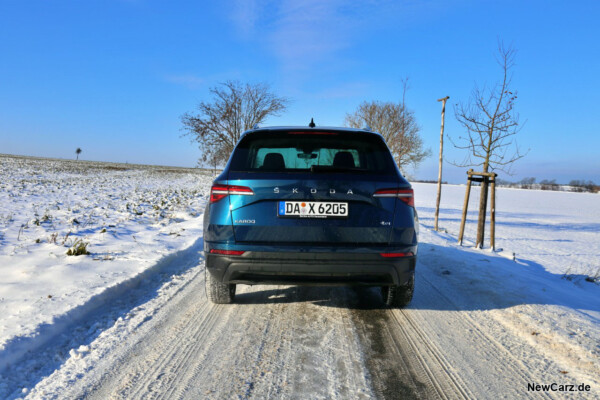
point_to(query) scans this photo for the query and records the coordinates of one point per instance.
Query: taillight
(218, 192)
(395, 255)
(406, 195)
(227, 252)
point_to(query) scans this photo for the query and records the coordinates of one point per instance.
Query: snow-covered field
(558, 230)
(130, 217)
(130, 320)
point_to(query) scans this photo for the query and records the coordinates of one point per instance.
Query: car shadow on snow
(457, 278)
(350, 297)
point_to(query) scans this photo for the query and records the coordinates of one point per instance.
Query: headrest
(343, 159)
(273, 161)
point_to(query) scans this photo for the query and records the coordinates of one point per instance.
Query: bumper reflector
(227, 252)
(392, 255)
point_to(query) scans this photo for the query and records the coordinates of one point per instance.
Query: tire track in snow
(433, 365)
(148, 364)
(475, 341)
(400, 368)
(276, 342)
(176, 346)
(491, 359)
(186, 385)
(405, 359)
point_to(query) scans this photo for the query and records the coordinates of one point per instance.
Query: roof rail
(367, 128)
(256, 126)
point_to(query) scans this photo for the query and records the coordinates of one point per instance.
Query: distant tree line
(428, 181)
(581, 186)
(584, 186)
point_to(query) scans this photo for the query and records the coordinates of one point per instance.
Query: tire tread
(218, 292)
(395, 296)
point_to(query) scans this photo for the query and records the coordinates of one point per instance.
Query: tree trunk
(482, 211)
(483, 199)
(493, 214)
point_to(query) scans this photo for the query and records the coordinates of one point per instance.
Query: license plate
(312, 209)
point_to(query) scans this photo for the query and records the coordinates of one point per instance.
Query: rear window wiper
(331, 168)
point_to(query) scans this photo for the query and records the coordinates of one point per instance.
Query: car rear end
(310, 206)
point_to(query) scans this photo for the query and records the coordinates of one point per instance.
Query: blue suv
(315, 205)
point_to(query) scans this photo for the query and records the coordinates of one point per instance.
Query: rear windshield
(314, 152)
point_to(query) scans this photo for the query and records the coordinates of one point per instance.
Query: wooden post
(493, 213)
(465, 207)
(485, 178)
(439, 184)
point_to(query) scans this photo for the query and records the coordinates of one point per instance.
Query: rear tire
(218, 292)
(398, 296)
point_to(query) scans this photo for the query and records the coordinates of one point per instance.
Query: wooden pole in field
(465, 207)
(439, 184)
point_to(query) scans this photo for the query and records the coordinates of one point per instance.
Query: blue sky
(114, 77)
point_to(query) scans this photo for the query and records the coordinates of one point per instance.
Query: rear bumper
(254, 267)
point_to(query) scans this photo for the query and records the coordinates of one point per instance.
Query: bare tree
(491, 123)
(396, 124)
(234, 108)
(78, 152)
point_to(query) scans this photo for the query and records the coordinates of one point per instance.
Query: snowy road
(454, 341)
(290, 342)
(273, 343)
